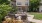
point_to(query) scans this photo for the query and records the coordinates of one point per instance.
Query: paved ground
(30, 18)
(37, 21)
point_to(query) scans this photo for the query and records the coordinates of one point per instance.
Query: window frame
(26, 3)
(18, 3)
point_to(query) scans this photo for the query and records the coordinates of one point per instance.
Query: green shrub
(4, 9)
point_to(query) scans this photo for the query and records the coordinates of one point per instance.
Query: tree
(34, 4)
(4, 1)
(4, 9)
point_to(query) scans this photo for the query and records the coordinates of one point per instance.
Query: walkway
(30, 18)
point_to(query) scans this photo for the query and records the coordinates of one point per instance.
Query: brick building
(20, 4)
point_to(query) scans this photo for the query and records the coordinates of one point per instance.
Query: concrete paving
(30, 18)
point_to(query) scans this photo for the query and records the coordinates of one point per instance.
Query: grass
(37, 15)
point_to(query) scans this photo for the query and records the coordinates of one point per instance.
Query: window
(26, 3)
(19, 3)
